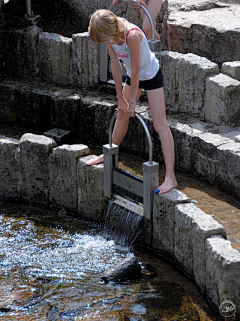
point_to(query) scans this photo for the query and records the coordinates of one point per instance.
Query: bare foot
(166, 186)
(95, 160)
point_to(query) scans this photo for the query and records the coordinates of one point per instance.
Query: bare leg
(157, 106)
(154, 7)
(120, 128)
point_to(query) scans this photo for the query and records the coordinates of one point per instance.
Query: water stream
(51, 266)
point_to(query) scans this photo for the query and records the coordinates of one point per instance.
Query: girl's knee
(123, 117)
(160, 127)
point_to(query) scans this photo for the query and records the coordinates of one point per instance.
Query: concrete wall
(41, 173)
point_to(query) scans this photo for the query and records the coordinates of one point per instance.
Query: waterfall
(122, 222)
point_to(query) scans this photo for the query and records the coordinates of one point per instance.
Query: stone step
(206, 151)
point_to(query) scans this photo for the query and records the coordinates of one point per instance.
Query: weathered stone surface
(222, 103)
(94, 120)
(34, 168)
(163, 220)
(204, 155)
(90, 190)
(8, 167)
(182, 134)
(65, 109)
(203, 226)
(183, 247)
(127, 269)
(208, 143)
(59, 135)
(7, 110)
(205, 168)
(54, 58)
(63, 191)
(222, 271)
(32, 107)
(232, 69)
(23, 58)
(237, 139)
(85, 61)
(207, 28)
(228, 175)
(185, 80)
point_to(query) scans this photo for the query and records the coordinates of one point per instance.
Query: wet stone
(8, 167)
(34, 159)
(90, 190)
(63, 175)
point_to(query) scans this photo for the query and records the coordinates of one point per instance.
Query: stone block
(23, 60)
(232, 69)
(85, 61)
(170, 62)
(94, 119)
(228, 170)
(59, 135)
(32, 106)
(203, 226)
(206, 28)
(182, 135)
(7, 110)
(222, 103)
(208, 143)
(205, 168)
(8, 167)
(34, 159)
(63, 191)
(185, 78)
(163, 220)
(90, 190)
(183, 247)
(222, 272)
(54, 53)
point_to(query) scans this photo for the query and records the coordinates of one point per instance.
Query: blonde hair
(105, 26)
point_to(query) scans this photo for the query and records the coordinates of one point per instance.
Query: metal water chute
(154, 45)
(121, 182)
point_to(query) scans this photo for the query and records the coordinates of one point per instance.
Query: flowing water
(121, 224)
(51, 266)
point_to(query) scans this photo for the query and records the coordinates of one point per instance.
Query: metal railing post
(150, 168)
(153, 43)
(29, 7)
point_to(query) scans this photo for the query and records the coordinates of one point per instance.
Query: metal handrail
(29, 7)
(144, 126)
(147, 13)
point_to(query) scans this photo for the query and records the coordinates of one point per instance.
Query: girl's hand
(131, 109)
(139, 2)
(122, 106)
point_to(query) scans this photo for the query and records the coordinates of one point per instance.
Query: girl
(126, 41)
(153, 7)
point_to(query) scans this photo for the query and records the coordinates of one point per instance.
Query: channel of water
(51, 266)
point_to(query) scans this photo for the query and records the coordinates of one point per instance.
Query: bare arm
(134, 39)
(117, 76)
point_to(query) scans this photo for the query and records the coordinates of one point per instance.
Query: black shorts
(154, 83)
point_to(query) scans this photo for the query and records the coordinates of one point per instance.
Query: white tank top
(149, 65)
